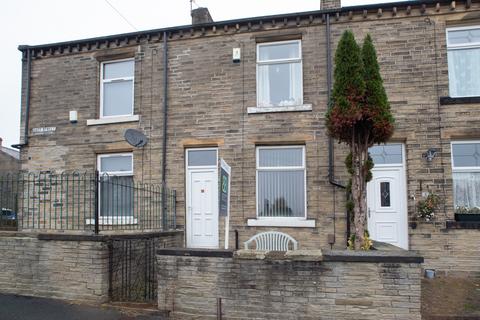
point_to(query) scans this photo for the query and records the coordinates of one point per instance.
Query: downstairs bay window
(466, 175)
(281, 187)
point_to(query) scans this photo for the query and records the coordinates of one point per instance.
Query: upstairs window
(466, 174)
(463, 44)
(281, 182)
(279, 74)
(116, 91)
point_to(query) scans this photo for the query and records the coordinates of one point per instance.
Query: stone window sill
(119, 119)
(113, 221)
(459, 100)
(281, 222)
(300, 108)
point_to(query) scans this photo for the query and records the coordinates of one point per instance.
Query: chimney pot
(1, 140)
(330, 4)
(200, 16)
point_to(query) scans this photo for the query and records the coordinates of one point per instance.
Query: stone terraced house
(9, 159)
(254, 93)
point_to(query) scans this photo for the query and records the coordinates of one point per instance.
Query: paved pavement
(29, 308)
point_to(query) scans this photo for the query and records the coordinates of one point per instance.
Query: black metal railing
(85, 201)
(132, 275)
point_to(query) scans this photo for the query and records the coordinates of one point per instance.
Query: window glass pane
(117, 98)
(120, 163)
(202, 157)
(464, 72)
(281, 157)
(386, 154)
(464, 36)
(279, 84)
(116, 196)
(279, 51)
(466, 189)
(385, 194)
(281, 194)
(119, 69)
(466, 154)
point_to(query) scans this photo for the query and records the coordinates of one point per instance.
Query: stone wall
(293, 285)
(70, 270)
(62, 266)
(450, 251)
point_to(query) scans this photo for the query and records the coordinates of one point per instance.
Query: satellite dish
(135, 138)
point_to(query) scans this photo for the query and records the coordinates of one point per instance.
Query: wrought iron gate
(132, 275)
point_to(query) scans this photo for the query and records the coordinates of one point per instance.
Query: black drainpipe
(26, 53)
(331, 165)
(165, 109)
(331, 168)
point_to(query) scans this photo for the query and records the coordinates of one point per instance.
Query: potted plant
(426, 208)
(467, 214)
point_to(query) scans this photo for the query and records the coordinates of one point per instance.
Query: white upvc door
(387, 202)
(202, 203)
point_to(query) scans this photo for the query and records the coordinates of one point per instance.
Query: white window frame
(187, 151)
(276, 61)
(461, 169)
(281, 221)
(103, 81)
(475, 45)
(113, 220)
(397, 164)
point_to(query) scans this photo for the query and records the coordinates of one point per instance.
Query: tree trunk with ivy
(359, 192)
(359, 116)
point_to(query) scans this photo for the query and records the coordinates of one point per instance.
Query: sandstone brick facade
(69, 270)
(68, 267)
(209, 96)
(287, 287)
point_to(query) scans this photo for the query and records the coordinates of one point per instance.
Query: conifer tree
(359, 116)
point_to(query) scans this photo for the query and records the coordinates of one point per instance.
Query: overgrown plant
(467, 210)
(359, 116)
(367, 242)
(426, 208)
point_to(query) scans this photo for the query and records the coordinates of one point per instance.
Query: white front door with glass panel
(202, 198)
(386, 196)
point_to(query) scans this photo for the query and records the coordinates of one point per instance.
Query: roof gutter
(27, 54)
(218, 24)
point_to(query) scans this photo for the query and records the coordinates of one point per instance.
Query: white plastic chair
(272, 241)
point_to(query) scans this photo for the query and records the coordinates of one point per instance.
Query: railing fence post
(174, 209)
(96, 213)
(164, 207)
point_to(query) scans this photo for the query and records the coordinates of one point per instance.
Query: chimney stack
(200, 16)
(330, 4)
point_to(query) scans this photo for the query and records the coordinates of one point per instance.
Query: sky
(34, 22)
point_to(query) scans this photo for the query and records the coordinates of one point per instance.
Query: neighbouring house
(10, 166)
(254, 93)
(9, 159)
